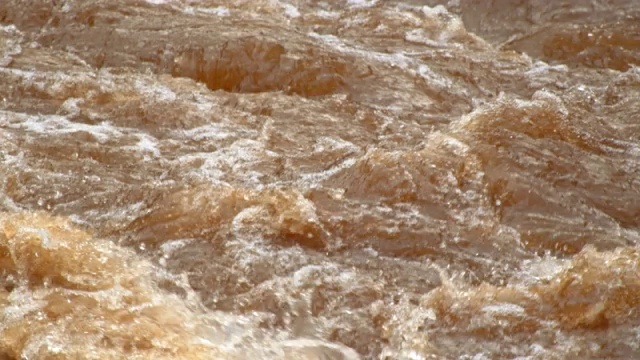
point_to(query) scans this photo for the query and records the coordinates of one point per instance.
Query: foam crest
(103, 301)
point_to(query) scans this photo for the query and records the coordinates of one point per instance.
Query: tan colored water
(354, 179)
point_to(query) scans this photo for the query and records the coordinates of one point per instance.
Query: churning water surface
(339, 179)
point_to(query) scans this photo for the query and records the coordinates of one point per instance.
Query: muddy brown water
(355, 179)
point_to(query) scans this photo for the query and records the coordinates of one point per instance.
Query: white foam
(361, 3)
(414, 355)
(539, 270)
(317, 177)
(215, 131)
(169, 247)
(159, 2)
(451, 24)
(459, 148)
(239, 156)
(310, 274)
(9, 43)
(432, 78)
(9, 29)
(328, 14)
(436, 11)
(395, 59)
(146, 144)
(326, 143)
(420, 37)
(67, 7)
(22, 302)
(505, 309)
(542, 74)
(347, 353)
(547, 96)
(123, 213)
(219, 11)
(542, 68)
(400, 60)
(481, 356)
(155, 91)
(55, 124)
(291, 11)
(70, 106)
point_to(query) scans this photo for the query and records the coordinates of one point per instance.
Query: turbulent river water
(339, 179)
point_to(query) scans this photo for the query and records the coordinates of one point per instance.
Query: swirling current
(338, 179)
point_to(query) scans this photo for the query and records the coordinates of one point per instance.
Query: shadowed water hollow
(340, 179)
